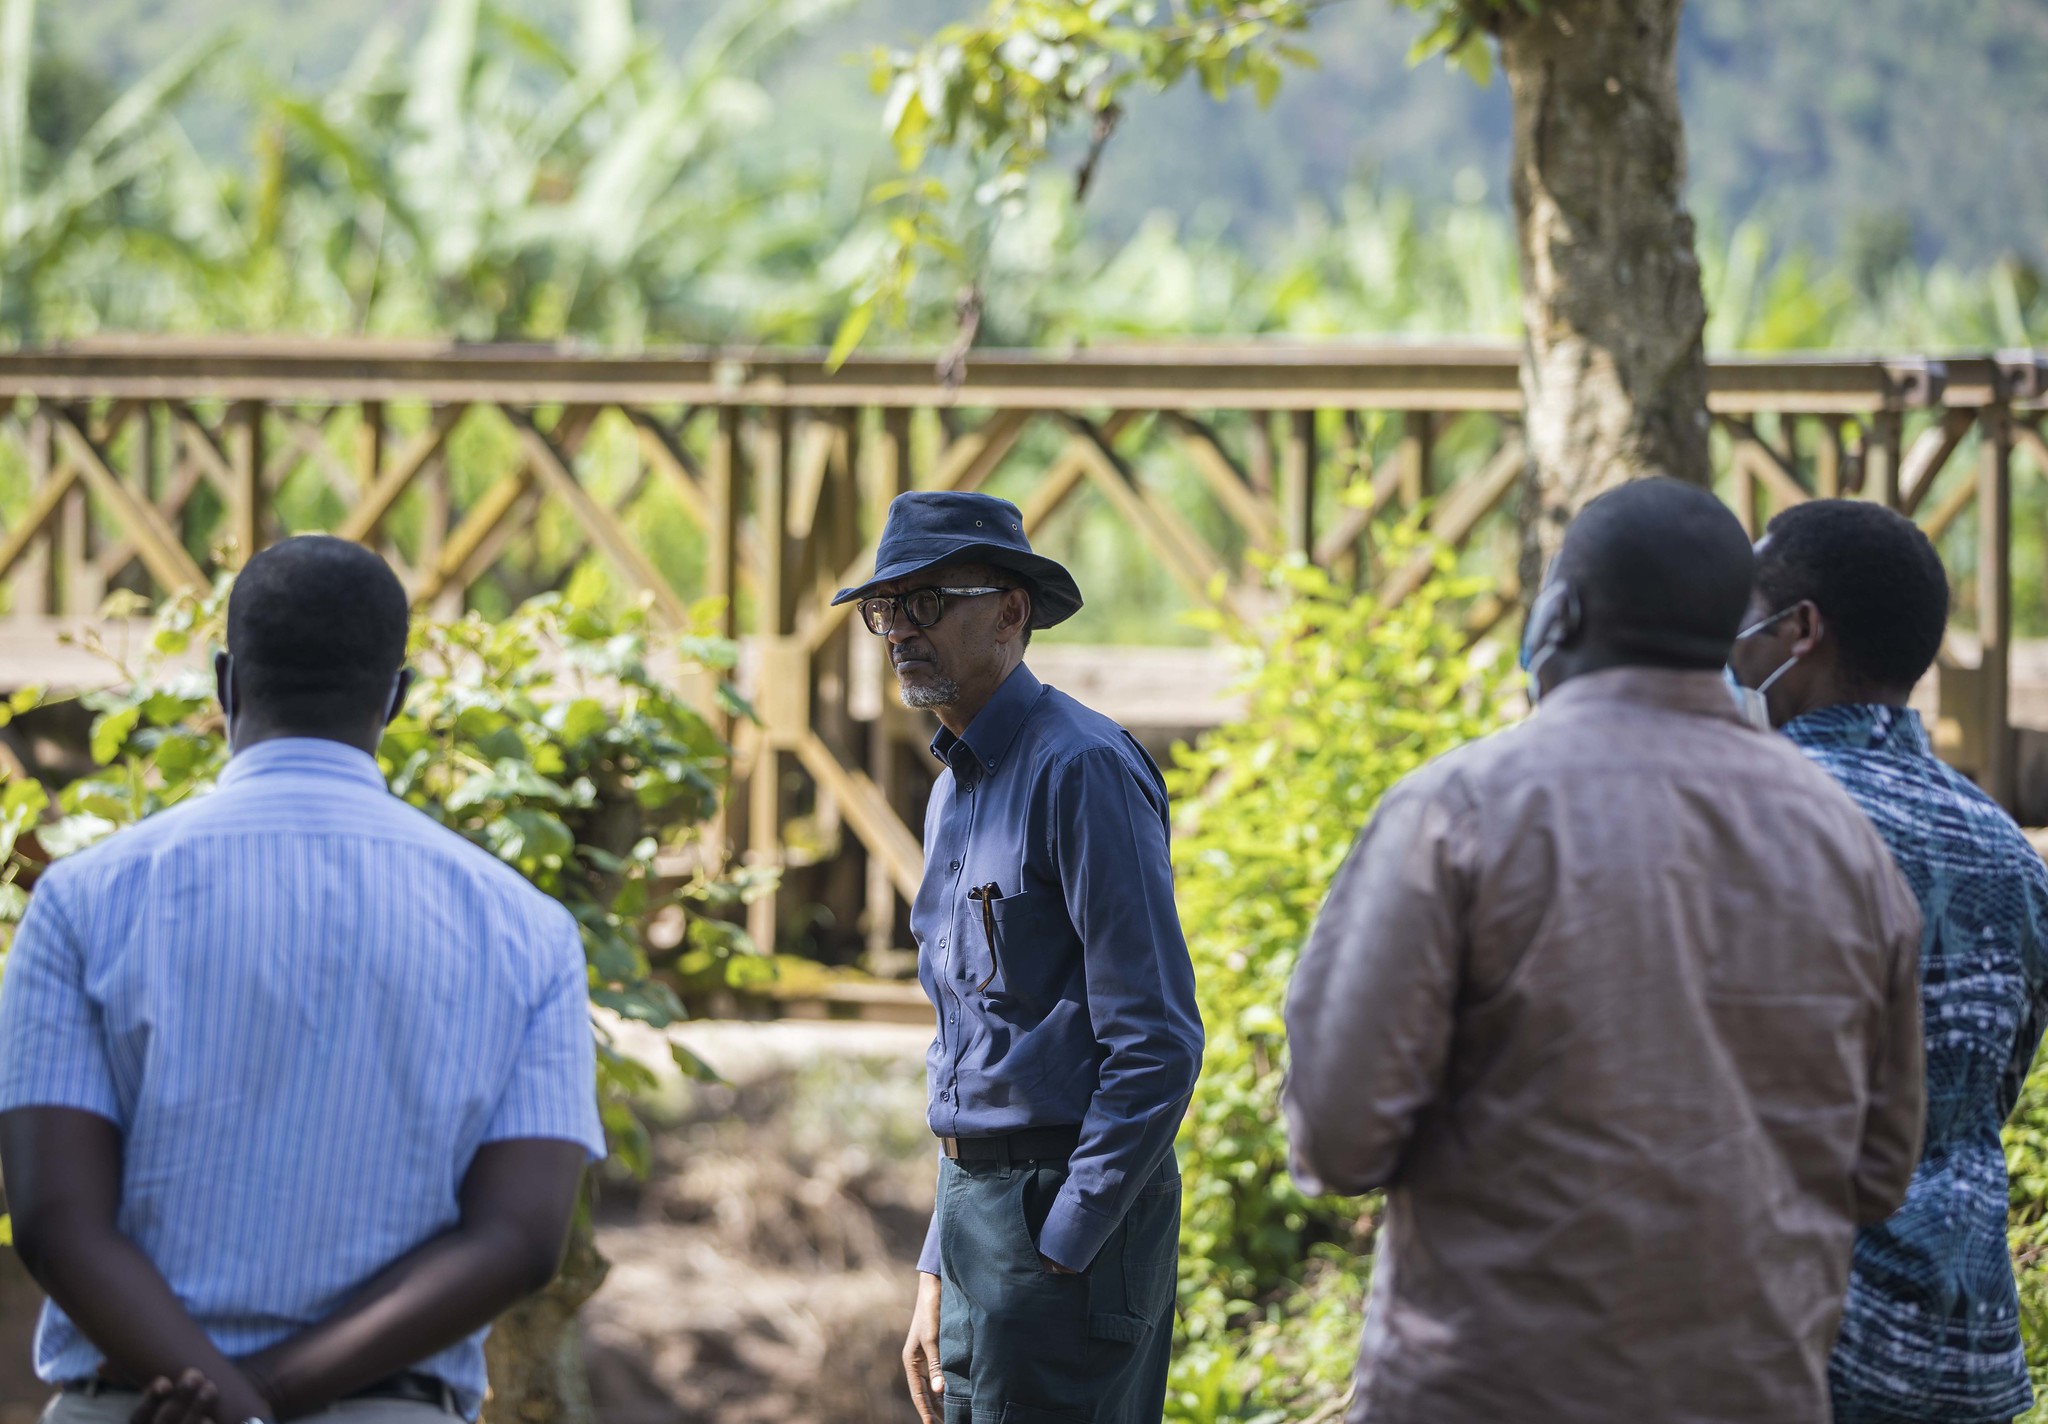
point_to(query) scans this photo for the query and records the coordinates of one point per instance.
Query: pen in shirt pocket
(986, 896)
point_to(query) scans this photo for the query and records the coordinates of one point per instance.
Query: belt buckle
(951, 1147)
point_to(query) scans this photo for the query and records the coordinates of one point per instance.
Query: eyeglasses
(922, 606)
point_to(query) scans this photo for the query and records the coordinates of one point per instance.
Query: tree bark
(1614, 374)
(534, 1352)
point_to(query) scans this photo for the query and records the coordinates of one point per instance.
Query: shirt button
(954, 867)
(942, 944)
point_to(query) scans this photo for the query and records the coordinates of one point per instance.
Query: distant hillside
(1871, 130)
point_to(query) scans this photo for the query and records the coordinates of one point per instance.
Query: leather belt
(411, 1386)
(1032, 1144)
(414, 1387)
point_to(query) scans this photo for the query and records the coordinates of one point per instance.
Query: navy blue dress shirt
(1080, 1010)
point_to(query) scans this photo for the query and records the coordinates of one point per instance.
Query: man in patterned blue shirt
(296, 1085)
(1848, 614)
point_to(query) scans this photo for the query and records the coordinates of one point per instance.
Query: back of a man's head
(1662, 573)
(316, 628)
(1875, 577)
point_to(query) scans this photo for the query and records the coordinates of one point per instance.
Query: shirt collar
(305, 756)
(1701, 693)
(1862, 726)
(989, 735)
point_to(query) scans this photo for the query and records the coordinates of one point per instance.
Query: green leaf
(851, 330)
(693, 1066)
(110, 733)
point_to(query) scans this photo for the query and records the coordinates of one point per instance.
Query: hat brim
(1055, 597)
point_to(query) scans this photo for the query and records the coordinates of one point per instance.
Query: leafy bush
(1345, 697)
(2026, 1160)
(545, 738)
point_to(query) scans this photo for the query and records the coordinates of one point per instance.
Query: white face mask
(1753, 702)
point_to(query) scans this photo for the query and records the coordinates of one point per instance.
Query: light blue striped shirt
(306, 1005)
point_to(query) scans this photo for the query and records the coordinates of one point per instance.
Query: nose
(901, 629)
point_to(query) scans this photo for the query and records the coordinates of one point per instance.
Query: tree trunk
(534, 1352)
(1614, 375)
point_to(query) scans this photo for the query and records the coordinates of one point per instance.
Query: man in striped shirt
(296, 1086)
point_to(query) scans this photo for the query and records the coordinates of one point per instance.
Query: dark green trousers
(1021, 1345)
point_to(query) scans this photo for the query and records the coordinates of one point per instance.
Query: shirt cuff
(1072, 1233)
(928, 1258)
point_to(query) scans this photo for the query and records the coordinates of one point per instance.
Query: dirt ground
(764, 1273)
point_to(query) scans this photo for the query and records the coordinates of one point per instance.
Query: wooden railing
(758, 479)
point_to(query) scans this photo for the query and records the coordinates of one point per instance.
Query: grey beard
(942, 693)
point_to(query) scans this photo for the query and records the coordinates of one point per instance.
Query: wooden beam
(868, 811)
(477, 526)
(971, 458)
(1111, 475)
(1227, 481)
(363, 522)
(1994, 605)
(551, 464)
(1067, 472)
(245, 491)
(44, 502)
(1453, 521)
(722, 520)
(1765, 463)
(184, 484)
(764, 781)
(1298, 483)
(1929, 456)
(1416, 457)
(156, 542)
(200, 445)
(461, 559)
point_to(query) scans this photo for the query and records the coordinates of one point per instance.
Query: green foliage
(2026, 1160)
(1344, 698)
(1002, 89)
(51, 201)
(545, 738)
(490, 182)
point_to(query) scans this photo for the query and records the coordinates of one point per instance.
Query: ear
(1809, 630)
(400, 687)
(1015, 614)
(224, 685)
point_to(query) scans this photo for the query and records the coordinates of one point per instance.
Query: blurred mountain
(1873, 131)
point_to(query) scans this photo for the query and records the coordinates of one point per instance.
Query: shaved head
(1662, 572)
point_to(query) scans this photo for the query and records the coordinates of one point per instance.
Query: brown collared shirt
(1621, 1007)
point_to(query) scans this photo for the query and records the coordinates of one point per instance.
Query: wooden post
(771, 539)
(76, 594)
(1417, 457)
(1994, 601)
(1881, 457)
(722, 538)
(245, 466)
(1827, 459)
(892, 477)
(1298, 484)
(34, 590)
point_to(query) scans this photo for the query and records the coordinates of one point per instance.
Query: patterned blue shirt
(305, 1005)
(1080, 1010)
(1931, 1330)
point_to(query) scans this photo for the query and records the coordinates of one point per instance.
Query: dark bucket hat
(929, 529)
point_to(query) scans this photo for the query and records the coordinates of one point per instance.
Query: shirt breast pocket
(1029, 949)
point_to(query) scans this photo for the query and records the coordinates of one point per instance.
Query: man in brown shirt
(1621, 1007)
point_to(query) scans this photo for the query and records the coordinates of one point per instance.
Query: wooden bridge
(758, 478)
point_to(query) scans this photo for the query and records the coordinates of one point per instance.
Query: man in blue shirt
(296, 1086)
(1848, 614)
(1068, 1038)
